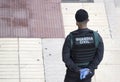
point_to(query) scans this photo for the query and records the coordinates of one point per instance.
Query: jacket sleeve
(66, 55)
(98, 56)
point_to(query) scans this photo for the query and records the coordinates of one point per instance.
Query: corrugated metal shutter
(77, 1)
(31, 18)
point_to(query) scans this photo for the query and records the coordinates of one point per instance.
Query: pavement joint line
(19, 62)
(43, 60)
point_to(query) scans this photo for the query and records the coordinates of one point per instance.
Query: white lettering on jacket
(84, 40)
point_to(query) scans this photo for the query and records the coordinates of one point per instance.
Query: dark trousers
(75, 77)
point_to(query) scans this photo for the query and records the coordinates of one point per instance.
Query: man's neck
(82, 27)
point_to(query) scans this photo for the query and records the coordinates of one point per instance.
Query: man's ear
(88, 20)
(77, 23)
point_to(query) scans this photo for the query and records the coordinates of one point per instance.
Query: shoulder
(93, 31)
(72, 33)
(75, 31)
(98, 36)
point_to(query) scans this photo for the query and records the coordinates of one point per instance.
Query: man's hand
(84, 72)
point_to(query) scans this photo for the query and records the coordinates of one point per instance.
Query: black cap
(81, 15)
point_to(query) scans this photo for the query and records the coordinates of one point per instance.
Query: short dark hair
(81, 15)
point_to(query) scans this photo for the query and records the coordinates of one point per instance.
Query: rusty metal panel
(31, 19)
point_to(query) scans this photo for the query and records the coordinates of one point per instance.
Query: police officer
(82, 51)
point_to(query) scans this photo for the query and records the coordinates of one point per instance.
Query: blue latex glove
(84, 72)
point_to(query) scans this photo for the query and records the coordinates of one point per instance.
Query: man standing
(82, 51)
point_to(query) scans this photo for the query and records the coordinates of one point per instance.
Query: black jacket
(69, 62)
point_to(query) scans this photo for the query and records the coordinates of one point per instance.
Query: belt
(82, 64)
